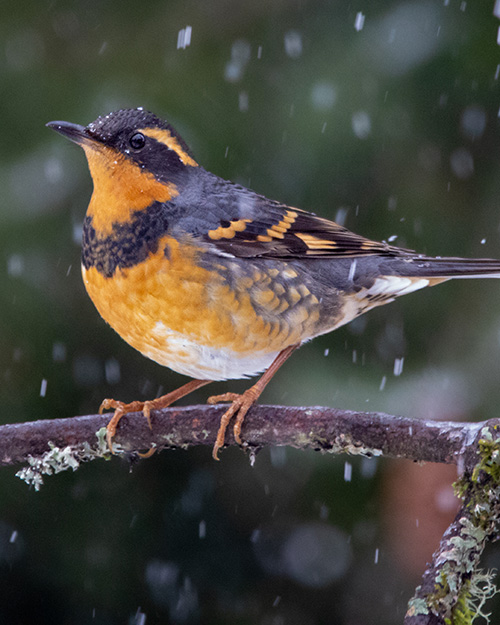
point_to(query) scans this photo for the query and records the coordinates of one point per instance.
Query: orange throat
(120, 188)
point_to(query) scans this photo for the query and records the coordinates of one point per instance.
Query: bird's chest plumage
(203, 315)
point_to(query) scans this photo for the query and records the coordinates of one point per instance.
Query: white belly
(202, 362)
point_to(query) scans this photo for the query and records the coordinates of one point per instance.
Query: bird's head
(135, 159)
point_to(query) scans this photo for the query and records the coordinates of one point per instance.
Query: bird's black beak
(74, 132)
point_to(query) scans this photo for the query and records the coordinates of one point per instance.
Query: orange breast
(188, 317)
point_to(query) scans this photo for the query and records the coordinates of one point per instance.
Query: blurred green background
(381, 115)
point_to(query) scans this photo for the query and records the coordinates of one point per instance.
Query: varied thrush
(213, 280)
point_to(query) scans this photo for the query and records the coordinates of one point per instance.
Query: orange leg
(122, 408)
(241, 404)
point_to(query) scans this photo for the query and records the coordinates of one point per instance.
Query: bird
(214, 280)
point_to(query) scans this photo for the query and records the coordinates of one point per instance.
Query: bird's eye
(137, 141)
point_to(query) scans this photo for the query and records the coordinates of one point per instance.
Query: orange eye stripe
(162, 135)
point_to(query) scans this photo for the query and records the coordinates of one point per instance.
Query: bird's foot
(121, 409)
(146, 407)
(240, 405)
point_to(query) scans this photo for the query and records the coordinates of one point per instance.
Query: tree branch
(325, 429)
(452, 581)
(453, 589)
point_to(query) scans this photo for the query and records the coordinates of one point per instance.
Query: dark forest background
(381, 115)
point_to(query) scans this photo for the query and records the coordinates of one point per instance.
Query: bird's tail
(444, 268)
(404, 274)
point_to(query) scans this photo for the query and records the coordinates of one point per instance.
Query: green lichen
(460, 589)
(489, 453)
(466, 605)
(58, 459)
(344, 443)
(482, 487)
(471, 601)
(417, 606)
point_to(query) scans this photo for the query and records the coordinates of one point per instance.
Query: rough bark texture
(326, 429)
(451, 581)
